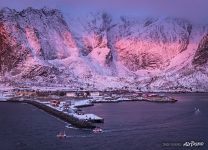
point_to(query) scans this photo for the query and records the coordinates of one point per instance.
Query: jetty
(66, 105)
(79, 123)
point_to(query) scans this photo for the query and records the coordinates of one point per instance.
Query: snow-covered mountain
(100, 50)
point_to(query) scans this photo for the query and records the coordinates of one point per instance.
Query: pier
(59, 114)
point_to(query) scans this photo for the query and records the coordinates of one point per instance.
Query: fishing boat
(97, 130)
(61, 135)
(197, 110)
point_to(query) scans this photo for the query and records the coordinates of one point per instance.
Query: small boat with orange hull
(61, 135)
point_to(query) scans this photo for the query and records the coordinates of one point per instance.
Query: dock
(59, 114)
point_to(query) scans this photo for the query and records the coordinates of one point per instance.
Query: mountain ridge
(38, 46)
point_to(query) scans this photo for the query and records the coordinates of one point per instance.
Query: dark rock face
(44, 33)
(40, 34)
(151, 44)
(38, 70)
(37, 45)
(201, 55)
(95, 34)
(97, 29)
(11, 53)
(143, 61)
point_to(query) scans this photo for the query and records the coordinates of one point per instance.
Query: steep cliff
(99, 50)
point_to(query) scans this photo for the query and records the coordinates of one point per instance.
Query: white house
(71, 94)
(95, 94)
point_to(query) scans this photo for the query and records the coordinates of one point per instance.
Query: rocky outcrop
(201, 55)
(11, 52)
(151, 44)
(101, 51)
(40, 33)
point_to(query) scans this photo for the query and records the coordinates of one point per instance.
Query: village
(67, 105)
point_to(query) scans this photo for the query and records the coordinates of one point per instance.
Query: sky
(194, 10)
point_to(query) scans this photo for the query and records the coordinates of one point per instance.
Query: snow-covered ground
(6, 93)
(87, 116)
(81, 103)
(72, 109)
(3, 98)
(97, 51)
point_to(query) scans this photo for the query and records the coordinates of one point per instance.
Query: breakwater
(59, 114)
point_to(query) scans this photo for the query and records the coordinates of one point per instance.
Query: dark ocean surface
(128, 126)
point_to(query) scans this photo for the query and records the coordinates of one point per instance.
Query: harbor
(70, 116)
(127, 122)
(67, 105)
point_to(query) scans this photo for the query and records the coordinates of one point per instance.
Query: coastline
(136, 117)
(55, 102)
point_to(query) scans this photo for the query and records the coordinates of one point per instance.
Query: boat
(61, 135)
(197, 110)
(97, 130)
